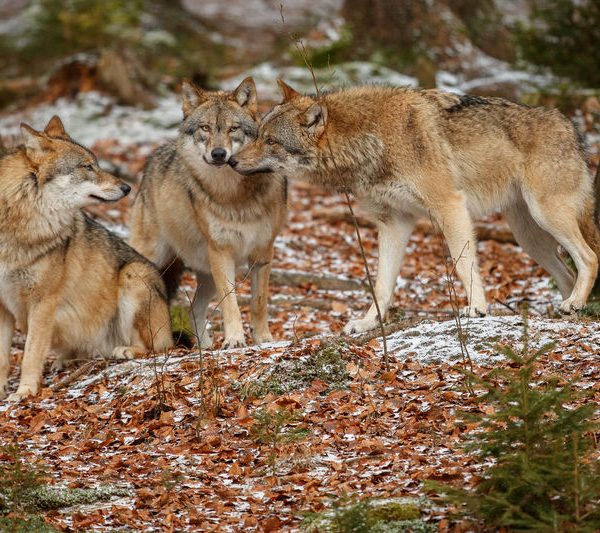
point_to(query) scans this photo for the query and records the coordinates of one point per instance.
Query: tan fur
(64, 279)
(409, 153)
(196, 211)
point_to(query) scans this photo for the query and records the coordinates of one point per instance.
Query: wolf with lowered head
(193, 210)
(73, 286)
(408, 153)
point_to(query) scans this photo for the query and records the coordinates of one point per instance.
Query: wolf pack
(214, 199)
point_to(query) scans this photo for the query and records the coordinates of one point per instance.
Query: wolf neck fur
(30, 223)
(347, 162)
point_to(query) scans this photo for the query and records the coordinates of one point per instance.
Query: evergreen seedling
(539, 440)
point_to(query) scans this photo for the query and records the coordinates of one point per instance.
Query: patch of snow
(93, 117)
(436, 342)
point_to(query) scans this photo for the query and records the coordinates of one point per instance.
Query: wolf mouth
(252, 171)
(99, 198)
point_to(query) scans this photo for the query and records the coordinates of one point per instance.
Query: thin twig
(302, 51)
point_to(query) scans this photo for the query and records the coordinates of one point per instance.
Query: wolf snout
(233, 162)
(125, 189)
(219, 155)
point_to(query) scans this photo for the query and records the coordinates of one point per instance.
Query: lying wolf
(66, 280)
(408, 153)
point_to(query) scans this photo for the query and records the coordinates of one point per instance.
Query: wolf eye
(270, 141)
(87, 167)
(234, 128)
(204, 127)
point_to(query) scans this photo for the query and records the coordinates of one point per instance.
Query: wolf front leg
(40, 326)
(393, 237)
(454, 219)
(222, 266)
(259, 316)
(7, 325)
(205, 290)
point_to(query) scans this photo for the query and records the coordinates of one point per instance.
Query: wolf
(193, 210)
(71, 284)
(408, 153)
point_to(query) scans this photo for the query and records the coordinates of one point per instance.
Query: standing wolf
(69, 282)
(407, 153)
(194, 210)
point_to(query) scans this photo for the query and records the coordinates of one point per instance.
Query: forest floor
(249, 439)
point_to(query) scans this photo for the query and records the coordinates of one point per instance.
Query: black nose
(233, 162)
(218, 154)
(125, 188)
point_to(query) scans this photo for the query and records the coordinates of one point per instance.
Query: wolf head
(288, 137)
(218, 124)
(66, 173)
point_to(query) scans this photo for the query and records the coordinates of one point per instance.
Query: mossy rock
(47, 498)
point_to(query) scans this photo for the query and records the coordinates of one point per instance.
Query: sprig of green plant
(275, 428)
(538, 437)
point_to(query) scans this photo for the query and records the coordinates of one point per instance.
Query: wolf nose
(218, 154)
(125, 188)
(233, 162)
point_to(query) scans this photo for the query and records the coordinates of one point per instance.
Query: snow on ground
(432, 342)
(92, 117)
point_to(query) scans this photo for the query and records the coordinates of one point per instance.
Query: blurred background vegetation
(136, 48)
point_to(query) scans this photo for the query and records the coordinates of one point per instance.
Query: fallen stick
(325, 282)
(315, 303)
(73, 376)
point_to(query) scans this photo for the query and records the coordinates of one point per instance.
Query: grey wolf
(408, 153)
(194, 210)
(71, 284)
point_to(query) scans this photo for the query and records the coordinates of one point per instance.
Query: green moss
(326, 364)
(369, 516)
(46, 498)
(25, 524)
(324, 56)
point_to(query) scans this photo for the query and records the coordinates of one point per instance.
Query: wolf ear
(245, 95)
(287, 92)
(315, 118)
(55, 128)
(191, 97)
(36, 143)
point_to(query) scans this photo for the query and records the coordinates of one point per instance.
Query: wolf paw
(234, 341)
(571, 305)
(360, 326)
(22, 392)
(264, 336)
(121, 353)
(3, 392)
(472, 312)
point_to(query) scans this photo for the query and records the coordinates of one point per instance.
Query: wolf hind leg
(144, 321)
(540, 245)
(559, 217)
(393, 236)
